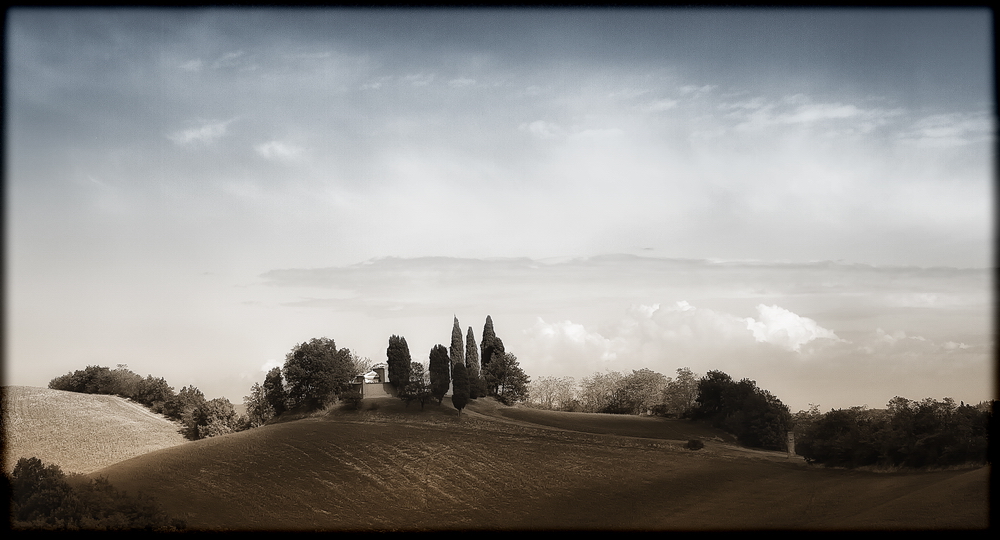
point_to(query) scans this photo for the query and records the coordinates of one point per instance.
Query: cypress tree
(398, 361)
(472, 363)
(460, 383)
(457, 351)
(487, 344)
(440, 371)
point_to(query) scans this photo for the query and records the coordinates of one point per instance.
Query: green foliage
(756, 417)
(316, 373)
(42, 498)
(398, 361)
(908, 434)
(505, 379)
(460, 385)
(440, 372)
(476, 388)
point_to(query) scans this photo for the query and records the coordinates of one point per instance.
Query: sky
(799, 197)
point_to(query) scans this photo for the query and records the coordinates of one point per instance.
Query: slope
(79, 432)
(396, 469)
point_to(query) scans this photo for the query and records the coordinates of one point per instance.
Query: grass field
(392, 468)
(79, 432)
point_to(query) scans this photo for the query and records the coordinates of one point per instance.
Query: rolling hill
(79, 432)
(392, 468)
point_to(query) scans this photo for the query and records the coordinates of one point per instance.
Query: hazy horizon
(800, 197)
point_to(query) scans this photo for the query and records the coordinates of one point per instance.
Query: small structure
(375, 383)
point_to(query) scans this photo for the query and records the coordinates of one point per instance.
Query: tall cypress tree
(457, 351)
(398, 360)
(487, 344)
(472, 363)
(440, 371)
(460, 384)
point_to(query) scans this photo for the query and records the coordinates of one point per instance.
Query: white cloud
(541, 129)
(206, 134)
(271, 364)
(661, 105)
(419, 79)
(696, 90)
(783, 328)
(278, 150)
(192, 65)
(461, 82)
(230, 59)
(944, 130)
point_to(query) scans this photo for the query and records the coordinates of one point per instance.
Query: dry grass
(79, 432)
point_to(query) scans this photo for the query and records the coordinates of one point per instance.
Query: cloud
(271, 364)
(228, 60)
(661, 105)
(783, 328)
(277, 150)
(946, 130)
(542, 129)
(205, 134)
(461, 82)
(419, 79)
(192, 65)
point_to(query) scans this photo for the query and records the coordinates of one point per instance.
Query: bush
(352, 399)
(41, 497)
(694, 444)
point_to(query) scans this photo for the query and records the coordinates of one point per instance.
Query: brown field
(79, 432)
(392, 468)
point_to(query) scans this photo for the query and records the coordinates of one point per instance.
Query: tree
(274, 391)
(259, 411)
(680, 394)
(182, 407)
(457, 350)
(398, 361)
(361, 364)
(440, 371)
(417, 387)
(596, 391)
(316, 373)
(505, 379)
(553, 393)
(472, 363)
(487, 345)
(215, 417)
(756, 417)
(460, 383)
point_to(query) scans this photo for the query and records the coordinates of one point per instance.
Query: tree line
(42, 497)
(907, 433)
(316, 373)
(199, 417)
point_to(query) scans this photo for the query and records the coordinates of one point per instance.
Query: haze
(799, 197)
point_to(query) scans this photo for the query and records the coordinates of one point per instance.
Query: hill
(393, 468)
(79, 432)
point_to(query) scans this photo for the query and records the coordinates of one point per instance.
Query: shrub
(694, 444)
(352, 399)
